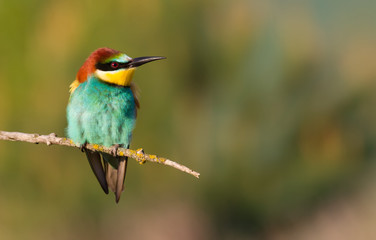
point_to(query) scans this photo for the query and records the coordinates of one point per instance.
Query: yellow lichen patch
(142, 161)
(140, 156)
(96, 146)
(121, 154)
(154, 158)
(132, 152)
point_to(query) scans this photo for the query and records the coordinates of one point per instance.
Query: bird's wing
(97, 167)
(136, 93)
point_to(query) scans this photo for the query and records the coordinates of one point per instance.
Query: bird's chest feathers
(101, 113)
(96, 97)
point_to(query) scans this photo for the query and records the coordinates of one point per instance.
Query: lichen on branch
(53, 139)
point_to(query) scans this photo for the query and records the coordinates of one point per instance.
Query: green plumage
(101, 113)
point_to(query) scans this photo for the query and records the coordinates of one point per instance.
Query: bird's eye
(114, 65)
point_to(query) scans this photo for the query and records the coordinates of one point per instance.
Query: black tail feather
(121, 171)
(97, 167)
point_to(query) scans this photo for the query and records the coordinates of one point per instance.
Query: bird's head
(111, 66)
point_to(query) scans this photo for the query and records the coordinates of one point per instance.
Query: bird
(102, 109)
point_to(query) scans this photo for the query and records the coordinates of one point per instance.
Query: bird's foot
(115, 149)
(83, 146)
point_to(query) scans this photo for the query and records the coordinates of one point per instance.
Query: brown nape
(89, 65)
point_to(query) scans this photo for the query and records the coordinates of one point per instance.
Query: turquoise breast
(100, 113)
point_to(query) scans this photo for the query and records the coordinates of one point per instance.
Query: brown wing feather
(97, 167)
(111, 176)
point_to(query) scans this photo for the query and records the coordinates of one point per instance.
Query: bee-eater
(102, 110)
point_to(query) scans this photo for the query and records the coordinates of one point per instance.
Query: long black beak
(136, 62)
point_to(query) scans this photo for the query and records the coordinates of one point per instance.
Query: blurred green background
(273, 102)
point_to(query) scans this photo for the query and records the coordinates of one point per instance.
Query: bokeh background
(273, 102)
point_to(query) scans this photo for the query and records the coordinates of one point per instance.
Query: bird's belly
(107, 128)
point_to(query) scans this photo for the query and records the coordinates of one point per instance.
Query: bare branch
(52, 138)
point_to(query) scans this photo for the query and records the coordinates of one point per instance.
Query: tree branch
(52, 138)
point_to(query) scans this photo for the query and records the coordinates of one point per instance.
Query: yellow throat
(121, 77)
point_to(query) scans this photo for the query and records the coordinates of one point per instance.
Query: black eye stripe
(109, 66)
